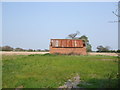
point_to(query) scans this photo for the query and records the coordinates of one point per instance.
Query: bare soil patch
(72, 83)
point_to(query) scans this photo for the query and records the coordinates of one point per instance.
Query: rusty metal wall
(66, 43)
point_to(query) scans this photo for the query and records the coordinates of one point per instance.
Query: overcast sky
(33, 24)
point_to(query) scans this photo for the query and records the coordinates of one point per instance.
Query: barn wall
(67, 46)
(81, 51)
(66, 43)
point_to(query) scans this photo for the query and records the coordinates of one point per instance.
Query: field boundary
(28, 53)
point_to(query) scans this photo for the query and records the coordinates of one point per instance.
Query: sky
(33, 24)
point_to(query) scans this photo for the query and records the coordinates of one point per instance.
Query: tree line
(9, 48)
(106, 49)
(99, 49)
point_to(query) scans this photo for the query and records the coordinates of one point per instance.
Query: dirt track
(22, 53)
(28, 53)
(108, 54)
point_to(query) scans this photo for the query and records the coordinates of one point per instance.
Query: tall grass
(51, 71)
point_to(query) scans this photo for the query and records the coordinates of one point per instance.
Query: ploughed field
(52, 71)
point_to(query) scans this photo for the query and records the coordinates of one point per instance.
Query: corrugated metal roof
(66, 43)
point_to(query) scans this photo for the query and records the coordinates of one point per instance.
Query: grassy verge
(51, 71)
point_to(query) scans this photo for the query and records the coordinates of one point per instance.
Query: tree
(38, 50)
(0, 48)
(30, 50)
(73, 35)
(19, 49)
(84, 38)
(100, 48)
(118, 51)
(107, 48)
(88, 45)
(7, 48)
(103, 49)
(117, 13)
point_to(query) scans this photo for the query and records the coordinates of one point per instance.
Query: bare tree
(73, 35)
(117, 13)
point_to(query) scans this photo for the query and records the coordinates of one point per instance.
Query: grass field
(51, 71)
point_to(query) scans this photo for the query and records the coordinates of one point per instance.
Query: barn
(67, 46)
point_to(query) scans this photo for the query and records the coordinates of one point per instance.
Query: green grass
(51, 71)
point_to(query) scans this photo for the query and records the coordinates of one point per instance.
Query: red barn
(67, 46)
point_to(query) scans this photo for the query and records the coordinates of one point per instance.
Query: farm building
(67, 46)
